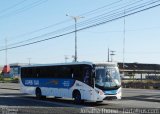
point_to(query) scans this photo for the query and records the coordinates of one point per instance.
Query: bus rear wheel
(38, 93)
(77, 97)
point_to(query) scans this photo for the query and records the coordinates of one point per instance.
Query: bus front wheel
(77, 97)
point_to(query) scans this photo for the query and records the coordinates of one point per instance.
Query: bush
(15, 80)
(142, 84)
(1, 77)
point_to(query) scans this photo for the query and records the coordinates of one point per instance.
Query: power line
(127, 30)
(39, 41)
(64, 21)
(20, 10)
(128, 13)
(53, 25)
(13, 6)
(67, 28)
(29, 33)
(37, 37)
(70, 27)
(87, 27)
(109, 12)
(104, 17)
(100, 8)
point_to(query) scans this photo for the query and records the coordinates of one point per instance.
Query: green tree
(1, 77)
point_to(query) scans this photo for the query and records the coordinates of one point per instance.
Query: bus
(81, 81)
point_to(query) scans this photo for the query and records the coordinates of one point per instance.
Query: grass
(8, 80)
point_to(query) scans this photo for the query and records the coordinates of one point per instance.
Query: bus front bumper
(117, 95)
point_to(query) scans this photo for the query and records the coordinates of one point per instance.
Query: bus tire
(38, 93)
(57, 97)
(44, 97)
(99, 101)
(77, 97)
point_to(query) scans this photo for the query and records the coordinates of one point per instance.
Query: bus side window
(77, 73)
(23, 72)
(86, 76)
(26, 73)
(72, 73)
(65, 72)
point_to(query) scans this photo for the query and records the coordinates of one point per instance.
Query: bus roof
(75, 63)
(111, 64)
(58, 64)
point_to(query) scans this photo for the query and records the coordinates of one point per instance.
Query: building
(14, 70)
(139, 70)
(1, 68)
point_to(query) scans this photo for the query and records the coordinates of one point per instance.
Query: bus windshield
(107, 78)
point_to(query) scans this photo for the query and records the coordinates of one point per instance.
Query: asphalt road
(12, 100)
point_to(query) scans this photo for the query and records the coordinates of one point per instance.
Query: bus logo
(54, 82)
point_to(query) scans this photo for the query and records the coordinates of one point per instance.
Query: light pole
(108, 54)
(29, 61)
(66, 58)
(112, 54)
(75, 20)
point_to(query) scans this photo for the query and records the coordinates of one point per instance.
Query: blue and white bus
(81, 81)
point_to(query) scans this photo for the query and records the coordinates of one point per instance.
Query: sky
(21, 20)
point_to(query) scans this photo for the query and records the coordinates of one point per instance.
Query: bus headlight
(100, 92)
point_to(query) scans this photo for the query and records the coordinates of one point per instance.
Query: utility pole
(75, 20)
(29, 61)
(124, 41)
(124, 38)
(6, 53)
(108, 54)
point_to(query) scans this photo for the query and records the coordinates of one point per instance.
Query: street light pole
(112, 54)
(108, 54)
(66, 58)
(75, 20)
(29, 61)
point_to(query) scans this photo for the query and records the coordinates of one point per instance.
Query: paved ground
(9, 86)
(12, 100)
